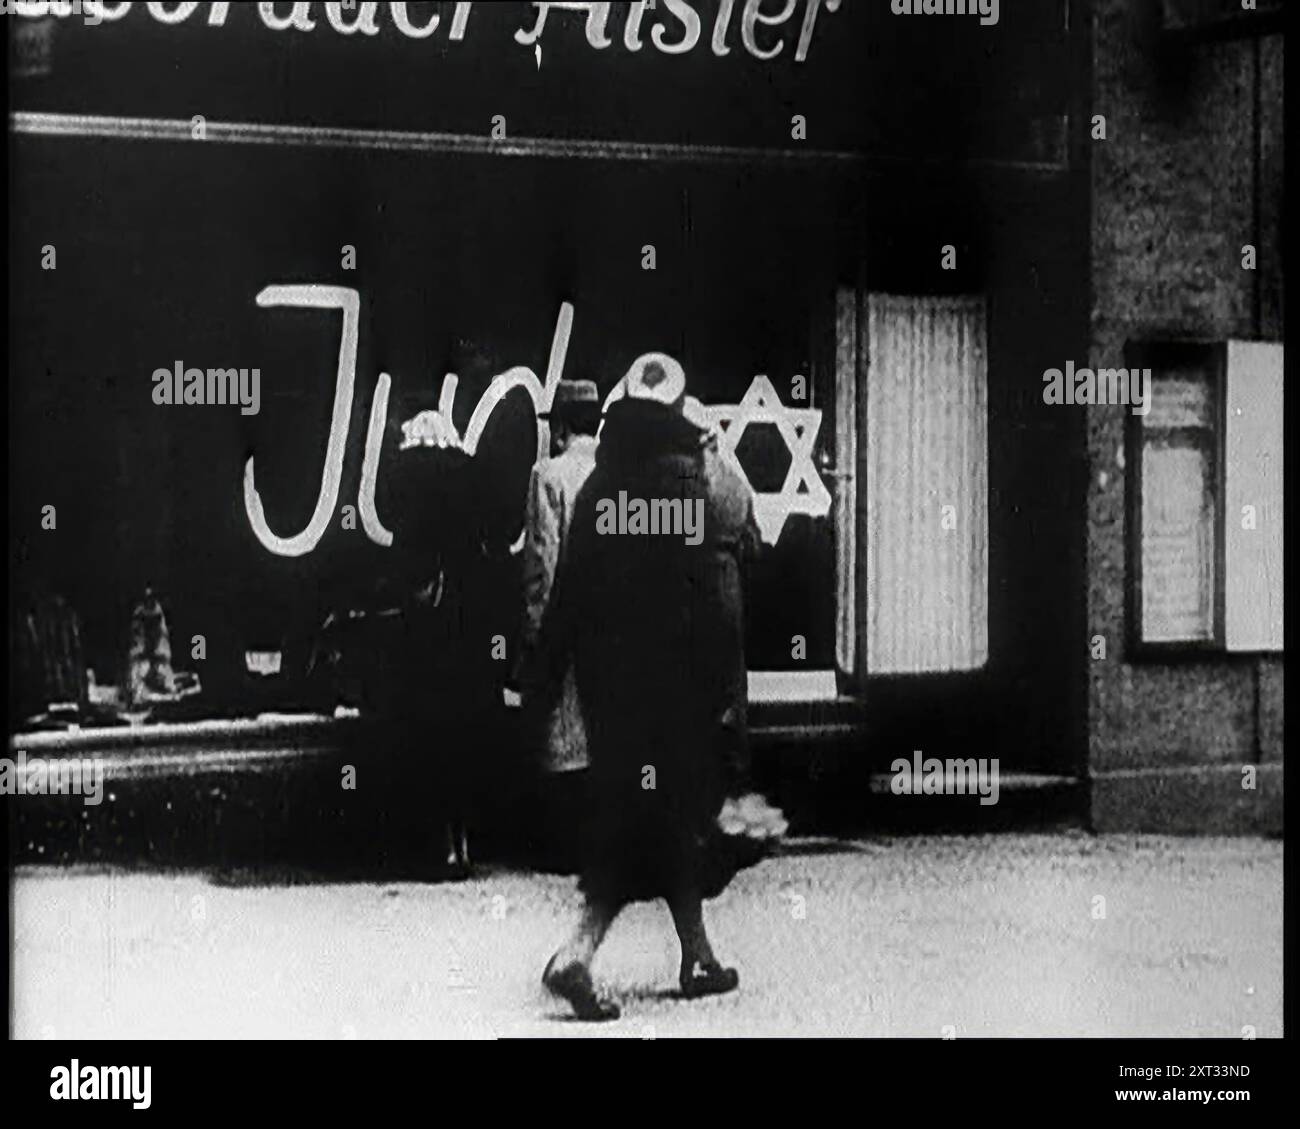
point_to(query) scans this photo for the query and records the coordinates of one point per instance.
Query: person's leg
(457, 823)
(688, 918)
(568, 972)
(471, 736)
(701, 974)
(457, 846)
(593, 924)
(412, 787)
(451, 785)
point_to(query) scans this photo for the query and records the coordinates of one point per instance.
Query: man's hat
(570, 393)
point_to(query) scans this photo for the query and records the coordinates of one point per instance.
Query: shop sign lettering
(671, 27)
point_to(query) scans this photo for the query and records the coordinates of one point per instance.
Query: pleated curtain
(922, 456)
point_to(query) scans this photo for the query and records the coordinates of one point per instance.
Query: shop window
(1205, 499)
(911, 512)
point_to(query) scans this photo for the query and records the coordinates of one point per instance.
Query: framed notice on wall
(1205, 499)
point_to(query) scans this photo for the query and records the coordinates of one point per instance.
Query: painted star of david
(803, 491)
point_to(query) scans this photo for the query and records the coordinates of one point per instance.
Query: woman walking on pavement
(652, 625)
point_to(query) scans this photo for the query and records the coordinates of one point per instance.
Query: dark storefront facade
(864, 278)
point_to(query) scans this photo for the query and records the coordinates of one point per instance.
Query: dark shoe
(573, 984)
(708, 980)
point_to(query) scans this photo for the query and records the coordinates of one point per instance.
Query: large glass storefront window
(676, 259)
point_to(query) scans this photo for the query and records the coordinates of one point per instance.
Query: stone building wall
(1189, 172)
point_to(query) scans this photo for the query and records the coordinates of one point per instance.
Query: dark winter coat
(653, 627)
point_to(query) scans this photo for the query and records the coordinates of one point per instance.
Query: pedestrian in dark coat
(442, 701)
(653, 626)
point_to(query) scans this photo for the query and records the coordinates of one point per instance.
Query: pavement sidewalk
(973, 936)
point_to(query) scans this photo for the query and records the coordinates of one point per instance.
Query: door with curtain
(913, 524)
(912, 516)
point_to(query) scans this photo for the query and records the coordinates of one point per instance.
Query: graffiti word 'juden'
(803, 491)
(343, 298)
